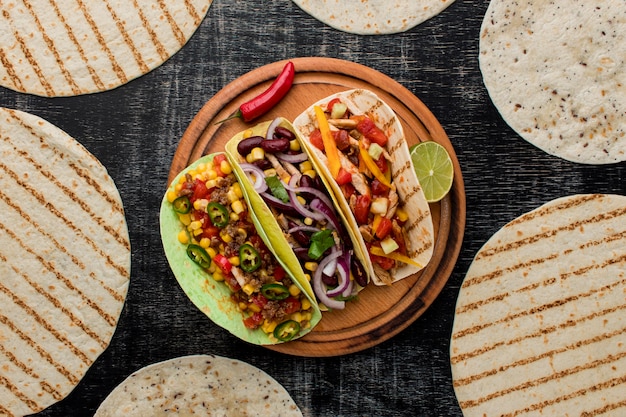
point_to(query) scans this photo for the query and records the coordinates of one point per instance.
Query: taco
(287, 186)
(223, 259)
(358, 142)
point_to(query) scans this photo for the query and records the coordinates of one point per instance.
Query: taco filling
(285, 178)
(360, 164)
(221, 238)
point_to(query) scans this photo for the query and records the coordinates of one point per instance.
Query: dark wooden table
(134, 131)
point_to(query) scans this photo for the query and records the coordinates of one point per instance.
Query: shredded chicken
(366, 232)
(278, 167)
(393, 203)
(383, 275)
(343, 123)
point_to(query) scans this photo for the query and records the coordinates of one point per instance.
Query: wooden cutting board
(379, 313)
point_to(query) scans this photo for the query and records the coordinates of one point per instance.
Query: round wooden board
(379, 313)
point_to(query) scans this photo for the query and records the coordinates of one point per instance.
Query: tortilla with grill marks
(65, 48)
(540, 323)
(64, 262)
(555, 71)
(199, 385)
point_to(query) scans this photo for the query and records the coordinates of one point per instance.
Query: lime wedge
(434, 169)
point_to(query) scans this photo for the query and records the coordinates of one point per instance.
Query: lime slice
(434, 169)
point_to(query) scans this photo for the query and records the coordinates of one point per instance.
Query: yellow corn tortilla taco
(285, 182)
(359, 145)
(225, 262)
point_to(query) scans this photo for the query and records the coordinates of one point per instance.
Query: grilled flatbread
(66, 48)
(199, 385)
(555, 71)
(539, 326)
(373, 17)
(64, 262)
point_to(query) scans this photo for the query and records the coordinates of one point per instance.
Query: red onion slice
(292, 159)
(293, 198)
(258, 181)
(272, 128)
(318, 285)
(343, 267)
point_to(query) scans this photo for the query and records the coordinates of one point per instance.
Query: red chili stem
(265, 101)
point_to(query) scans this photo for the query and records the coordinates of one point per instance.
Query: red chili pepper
(262, 103)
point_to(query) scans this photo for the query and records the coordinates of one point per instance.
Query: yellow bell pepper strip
(371, 165)
(375, 250)
(330, 147)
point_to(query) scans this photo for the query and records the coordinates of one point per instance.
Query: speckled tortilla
(540, 324)
(65, 48)
(373, 17)
(555, 71)
(64, 262)
(199, 385)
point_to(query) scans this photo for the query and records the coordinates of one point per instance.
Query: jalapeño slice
(218, 214)
(275, 291)
(249, 258)
(199, 255)
(182, 205)
(287, 330)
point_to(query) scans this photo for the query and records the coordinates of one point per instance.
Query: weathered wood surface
(135, 129)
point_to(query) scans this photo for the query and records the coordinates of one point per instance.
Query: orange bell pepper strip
(330, 147)
(375, 250)
(371, 165)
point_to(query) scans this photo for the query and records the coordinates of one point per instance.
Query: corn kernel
(248, 289)
(205, 242)
(200, 204)
(402, 214)
(171, 196)
(294, 290)
(301, 200)
(297, 317)
(310, 266)
(183, 237)
(247, 133)
(185, 219)
(254, 308)
(232, 195)
(270, 172)
(201, 167)
(225, 167)
(311, 173)
(243, 306)
(212, 183)
(308, 221)
(242, 232)
(237, 206)
(234, 260)
(306, 166)
(196, 224)
(256, 154)
(233, 216)
(211, 174)
(269, 326)
(308, 277)
(237, 188)
(294, 145)
(218, 275)
(226, 237)
(306, 304)
(181, 180)
(198, 232)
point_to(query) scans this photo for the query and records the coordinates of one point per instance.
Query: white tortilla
(66, 47)
(64, 262)
(540, 324)
(555, 71)
(373, 17)
(199, 385)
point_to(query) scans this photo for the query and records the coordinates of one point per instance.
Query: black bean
(283, 132)
(358, 272)
(275, 145)
(306, 181)
(245, 146)
(263, 164)
(330, 281)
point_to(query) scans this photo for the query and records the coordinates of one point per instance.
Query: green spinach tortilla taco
(274, 167)
(359, 145)
(224, 260)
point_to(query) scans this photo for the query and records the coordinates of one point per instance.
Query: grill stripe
(11, 73)
(29, 57)
(94, 75)
(180, 37)
(50, 44)
(603, 410)
(153, 36)
(18, 393)
(127, 39)
(197, 19)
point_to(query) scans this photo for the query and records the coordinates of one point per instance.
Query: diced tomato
(291, 305)
(331, 103)
(258, 244)
(279, 273)
(343, 177)
(385, 263)
(399, 238)
(366, 126)
(384, 227)
(254, 321)
(342, 138)
(259, 300)
(232, 282)
(362, 208)
(223, 263)
(348, 190)
(209, 231)
(379, 189)
(316, 139)
(217, 161)
(199, 190)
